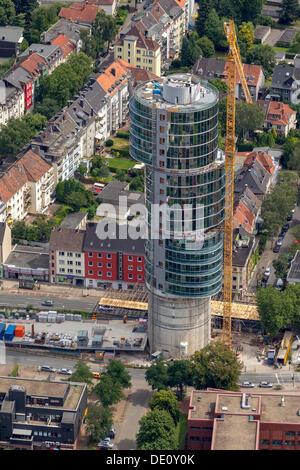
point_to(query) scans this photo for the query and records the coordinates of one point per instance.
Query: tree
(251, 10)
(82, 169)
(76, 200)
(98, 421)
(157, 375)
(117, 372)
(7, 12)
(165, 400)
(82, 373)
(206, 46)
(205, 7)
(246, 33)
(216, 366)
(108, 390)
(221, 86)
(275, 308)
(190, 51)
(180, 375)
(264, 55)
(293, 162)
(25, 6)
(156, 432)
(289, 11)
(214, 30)
(249, 117)
(280, 265)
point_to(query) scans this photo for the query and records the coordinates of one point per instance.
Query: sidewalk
(12, 287)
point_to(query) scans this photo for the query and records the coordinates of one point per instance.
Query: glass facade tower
(174, 131)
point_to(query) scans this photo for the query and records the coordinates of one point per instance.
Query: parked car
(289, 217)
(47, 368)
(112, 433)
(279, 284)
(267, 272)
(276, 248)
(279, 241)
(48, 303)
(285, 227)
(265, 385)
(263, 283)
(65, 371)
(104, 444)
(248, 385)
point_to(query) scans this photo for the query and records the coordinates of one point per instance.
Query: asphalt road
(22, 301)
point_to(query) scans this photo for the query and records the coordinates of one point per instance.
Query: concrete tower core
(174, 131)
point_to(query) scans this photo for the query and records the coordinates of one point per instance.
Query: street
(22, 300)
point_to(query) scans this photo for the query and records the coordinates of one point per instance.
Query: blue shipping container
(10, 333)
(2, 330)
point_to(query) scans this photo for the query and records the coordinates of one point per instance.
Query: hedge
(123, 135)
(244, 147)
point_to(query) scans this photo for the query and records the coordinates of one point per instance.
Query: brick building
(224, 420)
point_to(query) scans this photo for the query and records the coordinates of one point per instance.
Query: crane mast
(234, 66)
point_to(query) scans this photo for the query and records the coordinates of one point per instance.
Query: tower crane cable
(234, 65)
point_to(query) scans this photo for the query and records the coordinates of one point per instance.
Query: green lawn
(120, 163)
(284, 49)
(61, 213)
(120, 144)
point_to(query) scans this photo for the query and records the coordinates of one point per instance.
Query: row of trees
(39, 231)
(108, 391)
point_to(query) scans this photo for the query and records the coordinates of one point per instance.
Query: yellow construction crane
(234, 66)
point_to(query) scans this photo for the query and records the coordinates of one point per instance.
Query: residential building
(225, 420)
(30, 261)
(173, 131)
(265, 160)
(255, 177)
(66, 256)
(139, 51)
(110, 7)
(11, 38)
(5, 243)
(114, 81)
(75, 221)
(261, 33)
(285, 84)
(26, 186)
(66, 28)
(124, 207)
(210, 69)
(243, 260)
(80, 13)
(12, 102)
(52, 54)
(278, 116)
(178, 22)
(112, 261)
(66, 45)
(41, 414)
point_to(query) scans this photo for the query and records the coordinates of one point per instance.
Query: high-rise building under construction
(174, 131)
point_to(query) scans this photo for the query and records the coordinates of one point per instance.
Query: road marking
(276, 375)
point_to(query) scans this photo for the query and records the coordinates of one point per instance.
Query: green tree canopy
(118, 373)
(180, 375)
(216, 366)
(206, 46)
(7, 12)
(82, 373)
(281, 265)
(156, 432)
(98, 421)
(108, 390)
(249, 117)
(165, 400)
(264, 55)
(157, 375)
(275, 308)
(289, 11)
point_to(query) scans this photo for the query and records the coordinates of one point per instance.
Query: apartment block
(139, 51)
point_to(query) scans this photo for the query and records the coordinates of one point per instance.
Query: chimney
(81, 103)
(113, 72)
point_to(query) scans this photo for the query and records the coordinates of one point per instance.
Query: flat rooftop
(234, 433)
(34, 387)
(28, 258)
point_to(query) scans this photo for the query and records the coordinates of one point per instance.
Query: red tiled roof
(252, 73)
(78, 12)
(139, 75)
(279, 113)
(30, 167)
(243, 217)
(66, 45)
(142, 42)
(264, 159)
(31, 64)
(111, 75)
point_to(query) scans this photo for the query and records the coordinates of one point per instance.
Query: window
(70, 271)
(119, 49)
(140, 278)
(108, 274)
(130, 258)
(140, 259)
(195, 438)
(78, 271)
(161, 180)
(61, 261)
(161, 152)
(108, 256)
(61, 270)
(78, 263)
(130, 267)
(78, 255)
(276, 443)
(195, 428)
(161, 163)
(130, 276)
(264, 442)
(162, 117)
(62, 253)
(90, 263)
(290, 433)
(138, 51)
(69, 262)
(161, 191)
(99, 255)
(161, 129)
(99, 265)
(90, 272)
(206, 439)
(90, 254)
(290, 443)
(109, 265)
(99, 273)
(69, 253)
(138, 59)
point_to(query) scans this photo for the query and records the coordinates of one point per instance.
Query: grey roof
(62, 26)
(241, 254)
(22, 432)
(11, 33)
(288, 35)
(73, 220)
(94, 242)
(47, 51)
(17, 76)
(261, 31)
(7, 406)
(112, 190)
(255, 177)
(28, 258)
(171, 8)
(284, 76)
(66, 239)
(209, 68)
(68, 417)
(94, 94)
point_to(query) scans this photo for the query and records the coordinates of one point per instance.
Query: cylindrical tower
(174, 131)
